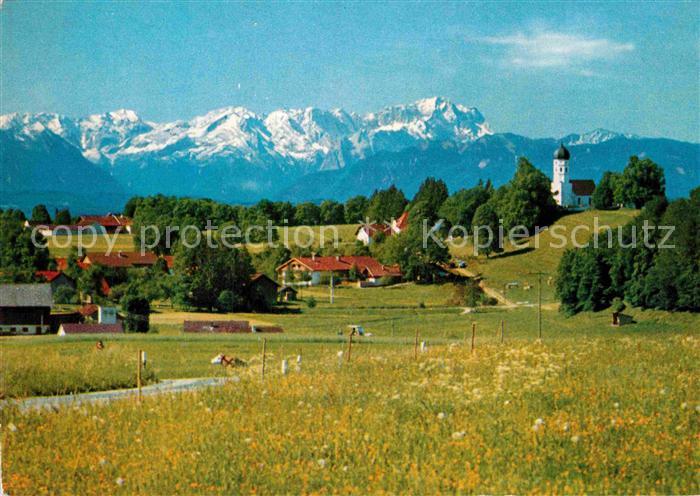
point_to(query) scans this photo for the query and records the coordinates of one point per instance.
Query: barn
(25, 309)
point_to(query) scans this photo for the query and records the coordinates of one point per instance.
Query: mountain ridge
(236, 155)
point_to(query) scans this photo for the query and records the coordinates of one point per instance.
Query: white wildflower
(538, 424)
(12, 427)
(684, 406)
(616, 405)
(458, 435)
(575, 439)
(441, 415)
(321, 462)
(119, 481)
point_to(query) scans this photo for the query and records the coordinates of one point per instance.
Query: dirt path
(493, 293)
(165, 386)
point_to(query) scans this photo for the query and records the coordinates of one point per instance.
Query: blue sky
(538, 69)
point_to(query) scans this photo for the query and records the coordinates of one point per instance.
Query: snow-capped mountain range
(293, 135)
(236, 155)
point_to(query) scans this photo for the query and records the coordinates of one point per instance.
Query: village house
(569, 193)
(110, 223)
(25, 309)
(56, 279)
(312, 269)
(367, 232)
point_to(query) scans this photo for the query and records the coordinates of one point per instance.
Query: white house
(569, 193)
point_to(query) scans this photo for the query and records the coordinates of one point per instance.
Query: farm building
(56, 279)
(287, 293)
(314, 268)
(71, 329)
(25, 308)
(264, 287)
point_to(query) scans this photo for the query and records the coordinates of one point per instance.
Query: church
(569, 193)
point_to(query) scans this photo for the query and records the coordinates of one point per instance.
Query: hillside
(517, 265)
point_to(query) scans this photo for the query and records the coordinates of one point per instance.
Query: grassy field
(517, 264)
(588, 409)
(312, 236)
(614, 414)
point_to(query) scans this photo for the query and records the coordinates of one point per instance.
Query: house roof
(25, 295)
(259, 276)
(62, 264)
(582, 187)
(402, 222)
(286, 289)
(92, 328)
(48, 275)
(344, 264)
(109, 220)
(121, 259)
(169, 261)
(87, 310)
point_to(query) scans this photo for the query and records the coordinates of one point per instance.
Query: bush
(311, 302)
(421, 304)
(137, 311)
(65, 295)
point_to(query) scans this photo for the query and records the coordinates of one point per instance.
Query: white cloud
(549, 49)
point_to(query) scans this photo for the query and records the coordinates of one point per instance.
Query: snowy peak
(594, 137)
(308, 136)
(432, 119)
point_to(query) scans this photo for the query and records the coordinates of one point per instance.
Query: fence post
(350, 345)
(473, 335)
(263, 359)
(502, 325)
(138, 375)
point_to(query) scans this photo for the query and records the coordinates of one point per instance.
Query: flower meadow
(590, 415)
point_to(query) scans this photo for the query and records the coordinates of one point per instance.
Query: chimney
(337, 257)
(313, 255)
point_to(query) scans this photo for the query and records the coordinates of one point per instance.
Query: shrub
(311, 302)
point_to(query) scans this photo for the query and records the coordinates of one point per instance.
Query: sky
(536, 69)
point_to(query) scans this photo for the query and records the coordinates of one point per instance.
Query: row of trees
(655, 271)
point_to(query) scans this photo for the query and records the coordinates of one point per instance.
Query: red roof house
(366, 266)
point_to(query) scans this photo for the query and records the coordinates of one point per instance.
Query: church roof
(562, 153)
(582, 187)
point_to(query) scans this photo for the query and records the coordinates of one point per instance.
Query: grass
(518, 264)
(568, 415)
(61, 246)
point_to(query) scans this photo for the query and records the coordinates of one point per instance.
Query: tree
(203, 272)
(356, 209)
(604, 194)
(65, 295)
(431, 194)
(131, 206)
(641, 181)
(459, 209)
(485, 226)
(332, 212)
(527, 199)
(137, 310)
(307, 214)
(20, 255)
(63, 217)
(40, 215)
(386, 204)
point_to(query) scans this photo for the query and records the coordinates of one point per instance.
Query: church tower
(561, 184)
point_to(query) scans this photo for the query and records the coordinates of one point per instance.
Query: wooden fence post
(263, 359)
(502, 326)
(350, 345)
(473, 335)
(138, 375)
